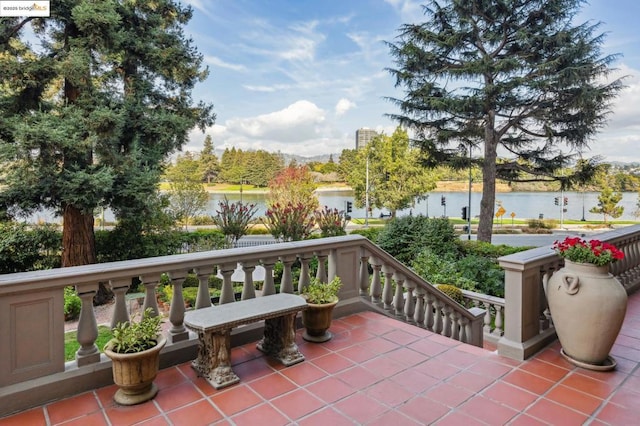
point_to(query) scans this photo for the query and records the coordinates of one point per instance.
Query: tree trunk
(79, 245)
(487, 204)
(78, 238)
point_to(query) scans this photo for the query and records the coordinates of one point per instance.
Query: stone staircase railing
(32, 367)
(529, 326)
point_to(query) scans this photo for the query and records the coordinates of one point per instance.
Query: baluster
(248, 288)
(418, 315)
(446, 313)
(429, 311)
(203, 299)
(364, 275)
(226, 294)
(465, 330)
(455, 325)
(286, 286)
(87, 327)
(119, 288)
(409, 305)
(487, 317)
(398, 300)
(150, 283)
(437, 316)
(387, 290)
(177, 332)
(321, 273)
(304, 279)
(498, 321)
(269, 286)
(376, 288)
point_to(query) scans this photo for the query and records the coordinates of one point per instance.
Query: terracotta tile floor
(378, 371)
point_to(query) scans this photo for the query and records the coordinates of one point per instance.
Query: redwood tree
(90, 114)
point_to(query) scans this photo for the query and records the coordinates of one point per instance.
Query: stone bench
(214, 324)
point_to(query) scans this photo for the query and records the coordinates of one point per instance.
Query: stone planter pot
(317, 320)
(134, 374)
(587, 306)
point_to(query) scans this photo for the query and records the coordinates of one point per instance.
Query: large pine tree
(91, 111)
(511, 77)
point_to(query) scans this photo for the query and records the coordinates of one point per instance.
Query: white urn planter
(587, 306)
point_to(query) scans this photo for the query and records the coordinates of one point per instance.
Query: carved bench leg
(279, 340)
(214, 359)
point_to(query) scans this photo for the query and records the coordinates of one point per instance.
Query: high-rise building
(364, 136)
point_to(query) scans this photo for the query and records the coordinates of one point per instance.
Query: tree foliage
(89, 116)
(511, 74)
(187, 196)
(251, 167)
(396, 175)
(209, 166)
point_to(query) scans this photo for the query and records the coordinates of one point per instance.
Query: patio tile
(235, 399)
(393, 417)
(263, 415)
(401, 337)
(297, 404)
(528, 381)
(389, 393)
(588, 385)
(272, 385)
(333, 362)
(303, 373)
(509, 395)
(73, 407)
(123, 415)
(448, 394)
(33, 417)
(327, 416)
(574, 399)
(199, 413)
(553, 413)
(357, 377)
(471, 381)
(361, 408)
(457, 418)
(414, 381)
(169, 377)
(330, 389)
(488, 411)
(424, 410)
(544, 369)
(176, 396)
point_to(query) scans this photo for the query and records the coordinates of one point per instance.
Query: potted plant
(321, 299)
(586, 302)
(135, 354)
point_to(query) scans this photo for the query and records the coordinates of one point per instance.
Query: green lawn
(71, 344)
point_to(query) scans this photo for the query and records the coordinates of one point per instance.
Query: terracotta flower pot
(317, 320)
(134, 374)
(587, 306)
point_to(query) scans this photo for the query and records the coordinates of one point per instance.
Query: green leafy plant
(595, 252)
(72, 304)
(132, 337)
(319, 293)
(289, 222)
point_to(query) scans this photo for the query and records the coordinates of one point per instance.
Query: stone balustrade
(33, 370)
(494, 313)
(529, 326)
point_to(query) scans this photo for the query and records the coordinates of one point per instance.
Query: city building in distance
(364, 136)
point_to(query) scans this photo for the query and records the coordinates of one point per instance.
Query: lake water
(522, 204)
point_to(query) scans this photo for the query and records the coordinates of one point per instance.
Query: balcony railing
(33, 370)
(528, 323)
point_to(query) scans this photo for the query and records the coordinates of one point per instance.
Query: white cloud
(410, 11)
(215, 61)
(344, 105)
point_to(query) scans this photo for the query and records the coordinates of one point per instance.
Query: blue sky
(300, 76)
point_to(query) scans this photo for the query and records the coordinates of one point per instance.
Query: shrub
(332, 222)
(452, 291)
(370, 233)
(484, 249)
(289, 222)
(29, 248)
(233, 219)
(405, 237)
(72, 304)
